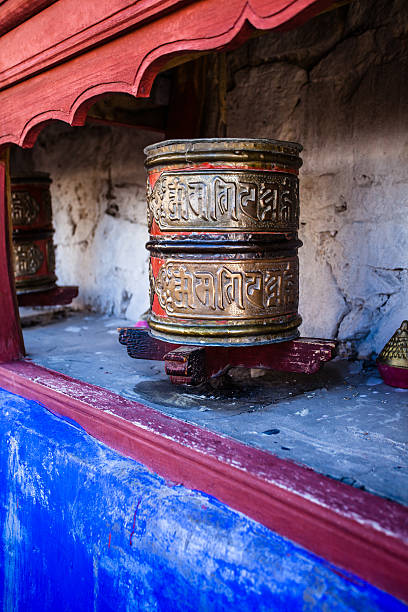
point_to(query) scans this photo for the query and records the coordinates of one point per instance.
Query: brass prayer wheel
(223, 216)
(34, 256)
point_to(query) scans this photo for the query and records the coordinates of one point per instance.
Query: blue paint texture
(84, 528)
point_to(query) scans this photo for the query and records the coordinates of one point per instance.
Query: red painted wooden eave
(55, 64)
(14, 12)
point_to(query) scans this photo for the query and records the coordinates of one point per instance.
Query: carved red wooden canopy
(57, 56)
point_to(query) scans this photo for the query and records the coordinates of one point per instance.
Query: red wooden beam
(357, 531)
(11, 339)
(14, 12)
(116, 46)
(194, 364)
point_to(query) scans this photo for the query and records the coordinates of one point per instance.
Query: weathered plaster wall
(339, 86)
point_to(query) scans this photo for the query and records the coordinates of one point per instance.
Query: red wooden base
(192, 365)
(58, 296)
(395, 377)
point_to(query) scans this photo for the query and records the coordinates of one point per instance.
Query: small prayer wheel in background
(34, 257)
(223, 217)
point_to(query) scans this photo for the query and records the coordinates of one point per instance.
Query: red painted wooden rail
(353, 529)
(11, 340)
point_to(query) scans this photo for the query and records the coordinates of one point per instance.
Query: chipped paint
(114, 533)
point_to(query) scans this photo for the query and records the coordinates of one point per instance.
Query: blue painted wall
(84, 528)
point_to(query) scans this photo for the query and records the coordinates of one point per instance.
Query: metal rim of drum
(276, 158)
(29, 179)
(260, 150)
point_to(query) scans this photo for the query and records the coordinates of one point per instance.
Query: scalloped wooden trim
(129, 63)
(69, 37)
(72, 36)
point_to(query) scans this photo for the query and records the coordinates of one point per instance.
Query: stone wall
(339, 86)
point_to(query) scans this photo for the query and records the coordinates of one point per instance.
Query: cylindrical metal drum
(34, 257)
(223, 217)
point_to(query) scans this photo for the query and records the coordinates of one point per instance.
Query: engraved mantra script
(28, 259)
(24, 209)
(211, 289)
(220, 200)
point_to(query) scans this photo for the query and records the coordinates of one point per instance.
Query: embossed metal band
(28, 259)
(224, 200)
(208, 289)
(241, 151)
(24, 209)
(34, 264)
(31, 206)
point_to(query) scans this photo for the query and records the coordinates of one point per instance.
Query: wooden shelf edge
(58, 296)
(355, 530)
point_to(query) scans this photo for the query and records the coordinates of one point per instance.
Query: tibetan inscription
(24, 209)
(220, 200)
(227, 289)
(28, 259)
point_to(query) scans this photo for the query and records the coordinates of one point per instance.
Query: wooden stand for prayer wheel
(193, 365)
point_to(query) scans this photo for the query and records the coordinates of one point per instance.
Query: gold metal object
(234, 289)
(223, 218)
(262, 153)
(222, 200)
(34, 255)
(395, 352)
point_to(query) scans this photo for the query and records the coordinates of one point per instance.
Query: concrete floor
(342, 422)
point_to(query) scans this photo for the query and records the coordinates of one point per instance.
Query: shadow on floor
(240, 389)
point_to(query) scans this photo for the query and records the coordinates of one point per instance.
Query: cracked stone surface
(339, 86)
(343, 422)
